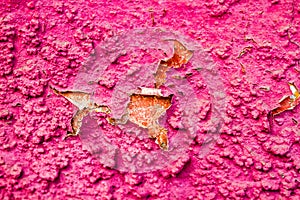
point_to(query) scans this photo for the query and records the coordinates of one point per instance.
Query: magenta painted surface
(46, 42)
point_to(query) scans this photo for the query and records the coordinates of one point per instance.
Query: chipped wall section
(254, 45)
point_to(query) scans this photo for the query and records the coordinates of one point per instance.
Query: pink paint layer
(254, 47)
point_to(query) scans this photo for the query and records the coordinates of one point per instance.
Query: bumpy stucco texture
(254, 46)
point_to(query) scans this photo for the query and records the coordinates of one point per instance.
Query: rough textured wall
(255, 47)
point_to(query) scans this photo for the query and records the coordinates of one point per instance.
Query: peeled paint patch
(80, 99)
(84, 104)
(145, 110)
(288, 102)
(180, 56)
(134, 98)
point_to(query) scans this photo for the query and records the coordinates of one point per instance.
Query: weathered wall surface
(255, 47)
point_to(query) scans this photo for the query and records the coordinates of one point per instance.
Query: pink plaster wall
(44, 43)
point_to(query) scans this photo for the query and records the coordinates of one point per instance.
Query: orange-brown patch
(181, 56)
(287, 102)
(145, 110)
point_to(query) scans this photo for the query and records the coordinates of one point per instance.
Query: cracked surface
(46, 42)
